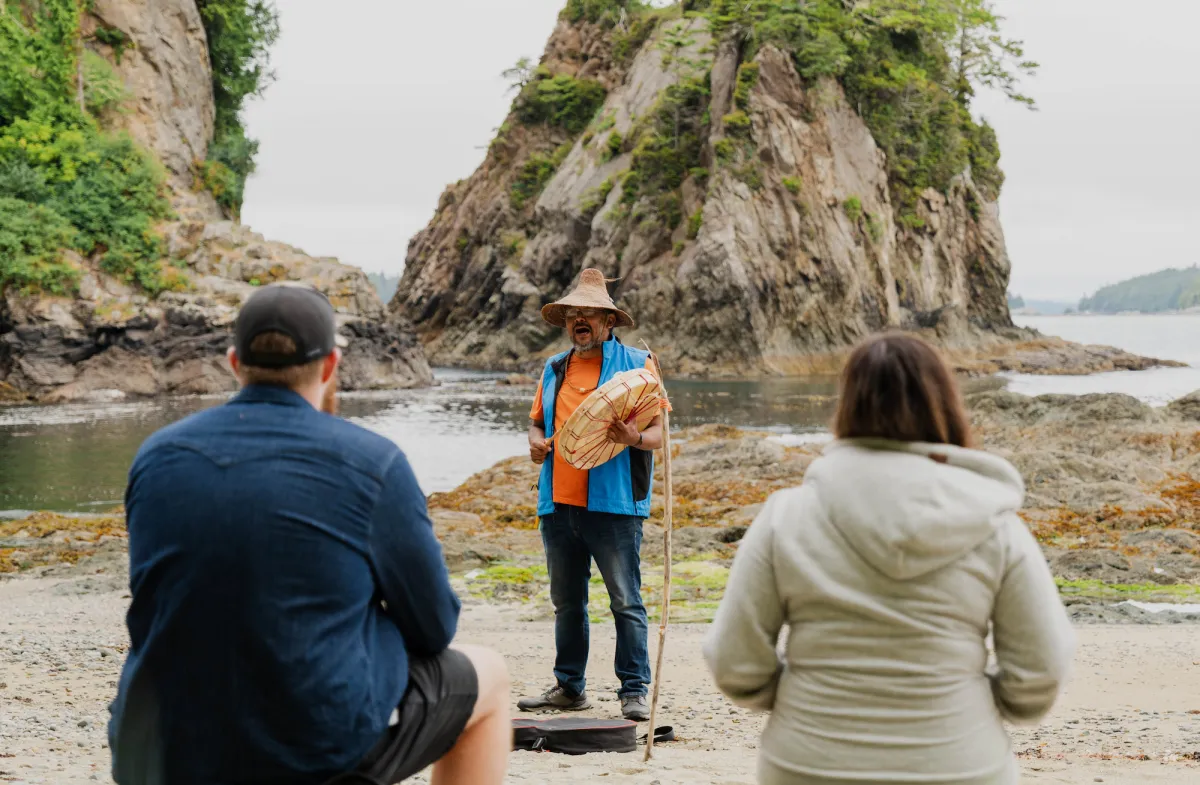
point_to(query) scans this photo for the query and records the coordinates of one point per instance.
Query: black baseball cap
(300, 312)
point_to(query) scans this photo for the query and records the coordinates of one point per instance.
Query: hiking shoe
(635, 707)
(555, 698)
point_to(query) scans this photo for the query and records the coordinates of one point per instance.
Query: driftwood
(667, 525)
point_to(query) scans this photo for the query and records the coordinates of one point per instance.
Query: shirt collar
(262, 393)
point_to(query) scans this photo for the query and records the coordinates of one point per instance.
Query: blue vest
(620, 486)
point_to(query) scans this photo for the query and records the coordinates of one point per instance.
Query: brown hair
(292, 377)
(896, 386)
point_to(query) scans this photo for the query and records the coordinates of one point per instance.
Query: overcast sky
(381, 103)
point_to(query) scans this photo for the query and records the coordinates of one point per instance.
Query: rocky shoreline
(111, 341)
(1113, 495)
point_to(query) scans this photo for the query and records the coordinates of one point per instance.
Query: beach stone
(1187, 407)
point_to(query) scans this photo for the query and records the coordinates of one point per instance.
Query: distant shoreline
(1189, 312)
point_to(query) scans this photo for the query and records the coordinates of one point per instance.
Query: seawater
(75, 457)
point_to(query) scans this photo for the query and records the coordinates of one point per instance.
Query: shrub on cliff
(240, 34)
(65, 181)
(909, 67)
(31, 241)
(559, 100)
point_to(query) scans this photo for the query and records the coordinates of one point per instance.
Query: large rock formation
(781, 246)
(110, 339)
(797, 253)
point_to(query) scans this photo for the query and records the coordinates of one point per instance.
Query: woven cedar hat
(592, 292)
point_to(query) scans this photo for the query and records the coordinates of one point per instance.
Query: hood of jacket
(909, 508)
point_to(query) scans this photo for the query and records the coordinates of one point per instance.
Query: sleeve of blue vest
(408, 564)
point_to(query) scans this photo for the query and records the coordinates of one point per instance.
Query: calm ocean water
(1170, 337)
(75, 457)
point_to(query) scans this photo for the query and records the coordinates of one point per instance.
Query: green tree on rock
(982, 56)
(240, 35)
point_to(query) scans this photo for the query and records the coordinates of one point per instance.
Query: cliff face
(109, 338)
(780, 246)
(165, 67)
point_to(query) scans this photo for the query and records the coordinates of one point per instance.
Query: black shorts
(434, 711)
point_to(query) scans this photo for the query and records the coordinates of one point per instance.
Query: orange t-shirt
(583, 377)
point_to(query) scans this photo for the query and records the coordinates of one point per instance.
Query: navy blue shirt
(283, 571)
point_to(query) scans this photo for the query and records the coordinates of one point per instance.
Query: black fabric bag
(575, 735)
(580, 735)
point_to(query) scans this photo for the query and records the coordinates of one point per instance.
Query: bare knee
(491, 672)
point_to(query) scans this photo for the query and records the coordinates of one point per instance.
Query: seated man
(292, 616)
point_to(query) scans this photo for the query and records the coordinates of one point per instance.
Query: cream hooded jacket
(888, 566)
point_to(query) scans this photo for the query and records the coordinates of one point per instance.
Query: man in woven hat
(597, 514)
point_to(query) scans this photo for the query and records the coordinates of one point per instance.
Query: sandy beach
(1131, 713)
(1113, 498)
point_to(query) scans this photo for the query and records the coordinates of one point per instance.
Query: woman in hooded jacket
(889, 566)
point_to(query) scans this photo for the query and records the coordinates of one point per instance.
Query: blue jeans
(573, 537)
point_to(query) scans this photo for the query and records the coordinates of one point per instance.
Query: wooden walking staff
(668, 522)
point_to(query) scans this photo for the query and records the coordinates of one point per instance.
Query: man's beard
(329, 401)
(592, 344)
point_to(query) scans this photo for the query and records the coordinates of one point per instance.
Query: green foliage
(115, 38)
(520, 74)
(737, 123)
(908, 66)
(559, 100)
(535, 173)
(750, 174)
(219, 180)
(669, 142)
(103, 89)
(793, 184)
(725, 150)
(231, 157)
(597, 197)
(747, 78)
(679, 246)
(854, 209)
(31, 241)
(695, 222)
(674, 43)
(512, 244)
(37, 61)
(605, 12)
(240, 35)
(612, 147)
(1015, 301)
(984, 153)
(982, 56)
(65, 182)
(1165, 290)
(628, 41)
(105, 186)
